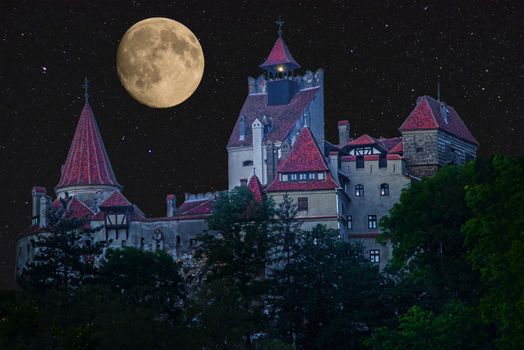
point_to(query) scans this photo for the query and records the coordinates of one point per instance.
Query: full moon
(160, 62)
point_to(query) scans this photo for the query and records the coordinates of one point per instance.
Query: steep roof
(77, 209)
(427, 115)
(199, 207)
(280, 55)
(305, 155)
(283, 117)
(363, 140)
(255, 187)
(87, 162)
(116, 199)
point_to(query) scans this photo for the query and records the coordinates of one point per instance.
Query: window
(178, 241)
(302, 203)
(302, 176)
(360, 162)
(243, 182)
(192, 242)
(87, 243)
(420, 149)
(359, 191)
(293, 177)
(374, 255)
(142, 243)
(384, 190)
(312, 176)
(247, 163)
(350, 222)
(372, 221)
(124, 243)
(382, 161)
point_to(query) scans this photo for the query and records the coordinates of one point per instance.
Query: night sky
(377, 59)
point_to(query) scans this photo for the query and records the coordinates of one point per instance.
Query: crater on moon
(160, 62)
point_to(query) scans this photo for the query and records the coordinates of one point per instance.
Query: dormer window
(242, 126)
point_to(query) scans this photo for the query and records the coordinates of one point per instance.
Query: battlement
(192, 197)
(308, 80)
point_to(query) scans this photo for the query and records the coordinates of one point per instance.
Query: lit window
(374, 255)
(312, 176)
(350, 222)
(284, 177)
(359, 191)
(302, 176)
(384, 190)
(302, 203)
(372, 221)
(320, 176)
(293, 177)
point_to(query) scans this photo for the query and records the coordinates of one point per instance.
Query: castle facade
(276, 147)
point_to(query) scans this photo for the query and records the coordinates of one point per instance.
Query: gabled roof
(427, 115)
(255, 187)
(116, 199)
(390, 143)
(280, 55)
(78, 210)
(87, 162)
(363, 140)
(397, 149)
(305, 155)
(283, 117)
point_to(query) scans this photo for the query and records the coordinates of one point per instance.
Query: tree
(234, 256)
(457, 327)
(147, 279)
(429, 260)
(315, 300)
(64, 255)
(495, 238)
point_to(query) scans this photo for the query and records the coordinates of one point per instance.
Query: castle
(277, 147)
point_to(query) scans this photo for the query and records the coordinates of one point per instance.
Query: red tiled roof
(398, 148)
(427, 115)
(363, 140)
(313, 185)
(201, 207)
(255, 187)
(305, 155)
(343, 122)
(389, 143)
(116, 199)
(280, 55)
(78, 210)
(283, 117)
(87, 162)
(39, 189)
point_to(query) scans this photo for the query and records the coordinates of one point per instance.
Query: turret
(258, 134)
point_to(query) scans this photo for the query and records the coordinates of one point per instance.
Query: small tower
(279, 67)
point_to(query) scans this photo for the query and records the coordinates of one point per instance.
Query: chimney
(333, 163)
(343, 133)
(44, 205)
(171, 205)
(258, 130)
(36, 193)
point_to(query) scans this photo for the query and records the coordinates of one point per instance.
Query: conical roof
(279, 55)
(87, 162)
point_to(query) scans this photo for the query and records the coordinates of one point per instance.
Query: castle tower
(87, 170)
(279, 104)
(433, 135)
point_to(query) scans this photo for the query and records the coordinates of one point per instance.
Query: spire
(87, 162)
(280, 59)
(86, 87)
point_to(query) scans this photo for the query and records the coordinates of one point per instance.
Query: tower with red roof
(278, 105)
(433, 135)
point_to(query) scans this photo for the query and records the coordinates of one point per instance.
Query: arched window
(359, 190)
(384, 190)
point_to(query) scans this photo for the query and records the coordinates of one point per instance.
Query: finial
(279, 23)
(86, 86)
(438, 91)
(254, 173)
